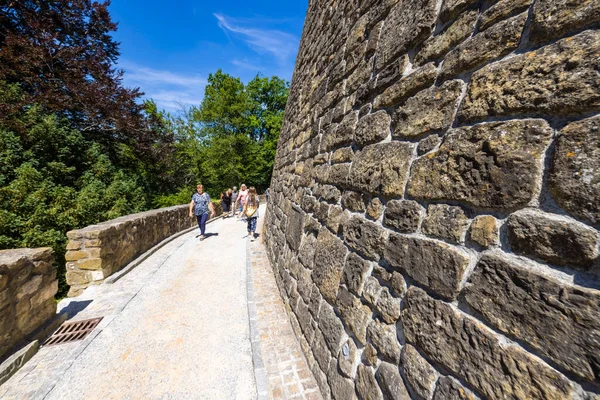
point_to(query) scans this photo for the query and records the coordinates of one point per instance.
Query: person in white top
(241, 199)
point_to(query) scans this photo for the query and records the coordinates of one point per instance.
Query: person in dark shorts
(201, 206)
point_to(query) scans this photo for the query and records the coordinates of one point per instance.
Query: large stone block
(501, 10)
(446, 222)
(382, 168)
(332, 328)
(452, 8)
(541, 82)
(436, 265)
(402, 215)
(575, 171)
(341, 387)
(330, 257)
(408, 86)
(494, 165)
(341, 135)
(439, 45)
(429, 111)
(555, 18)
(408, 23)
(495, 42)
(372, 128)
(553, 239)
(355, 272)
(295, 228)
(421, 376)
(449, 389)
(365, 237)
(366, 385)
(560, 321)
(391, 382)
(383, 337)
(484, 230)
(355, 314)
(474, 353)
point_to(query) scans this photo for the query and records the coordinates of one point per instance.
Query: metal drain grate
(73, 331)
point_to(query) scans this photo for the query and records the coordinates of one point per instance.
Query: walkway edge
(260, 372)
(129, 267)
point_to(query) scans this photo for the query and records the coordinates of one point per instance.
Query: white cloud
(247, 65)
(281, 45)
(170, 90)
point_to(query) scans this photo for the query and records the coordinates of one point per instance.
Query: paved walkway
(175, 327)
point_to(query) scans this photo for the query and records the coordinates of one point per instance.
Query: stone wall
(27, 288)
(436, 198)
(98, 251)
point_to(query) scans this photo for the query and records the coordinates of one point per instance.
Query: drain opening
(73, 331)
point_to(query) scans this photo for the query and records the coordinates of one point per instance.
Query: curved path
(175, 327)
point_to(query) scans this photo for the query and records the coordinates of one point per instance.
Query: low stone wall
(435, 212)
(27, 288)
(98, 251)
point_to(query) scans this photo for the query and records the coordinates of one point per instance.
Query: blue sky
(169, 48)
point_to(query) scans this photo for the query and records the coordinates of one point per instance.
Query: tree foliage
(78, 148)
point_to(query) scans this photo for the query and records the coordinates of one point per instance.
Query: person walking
(226, 202)
(251, 212)
(200, 206)
(242, 200)
(234, 196)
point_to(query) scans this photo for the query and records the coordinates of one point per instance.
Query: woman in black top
(226, 201)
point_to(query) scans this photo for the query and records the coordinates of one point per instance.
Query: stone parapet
(27, 287)
(98, 251)
(435, 204)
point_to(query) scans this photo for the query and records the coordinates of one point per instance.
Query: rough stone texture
(446, 222)
(554, 18)
(541, 82)
(452, 8)
(403, 215)
(356, 315)
(365, 237)
(575, 171)
(479, 111)
(383, 337)
(408, 23)
(391, 382)
(366, 385)
(372, 128)
(375, 209)
(421, 376)
(431, 110)
(497, 41)
(560, 321)
(439, 45)
(97, 251)
(355, 272)
(484, 230)
(407, 86)
(449, 389)
(501, 10)
(434, 264)
(381, 168)
(471, 351)
(329, 263)
(552, 239)
(492, 165)
(27, 288)
(428, 144)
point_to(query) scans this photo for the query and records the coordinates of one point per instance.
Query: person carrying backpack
(251, 212)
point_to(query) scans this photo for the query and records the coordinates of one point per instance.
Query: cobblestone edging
(434, 219)
(279, 363)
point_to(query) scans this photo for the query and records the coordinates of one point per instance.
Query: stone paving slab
(175, 327)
